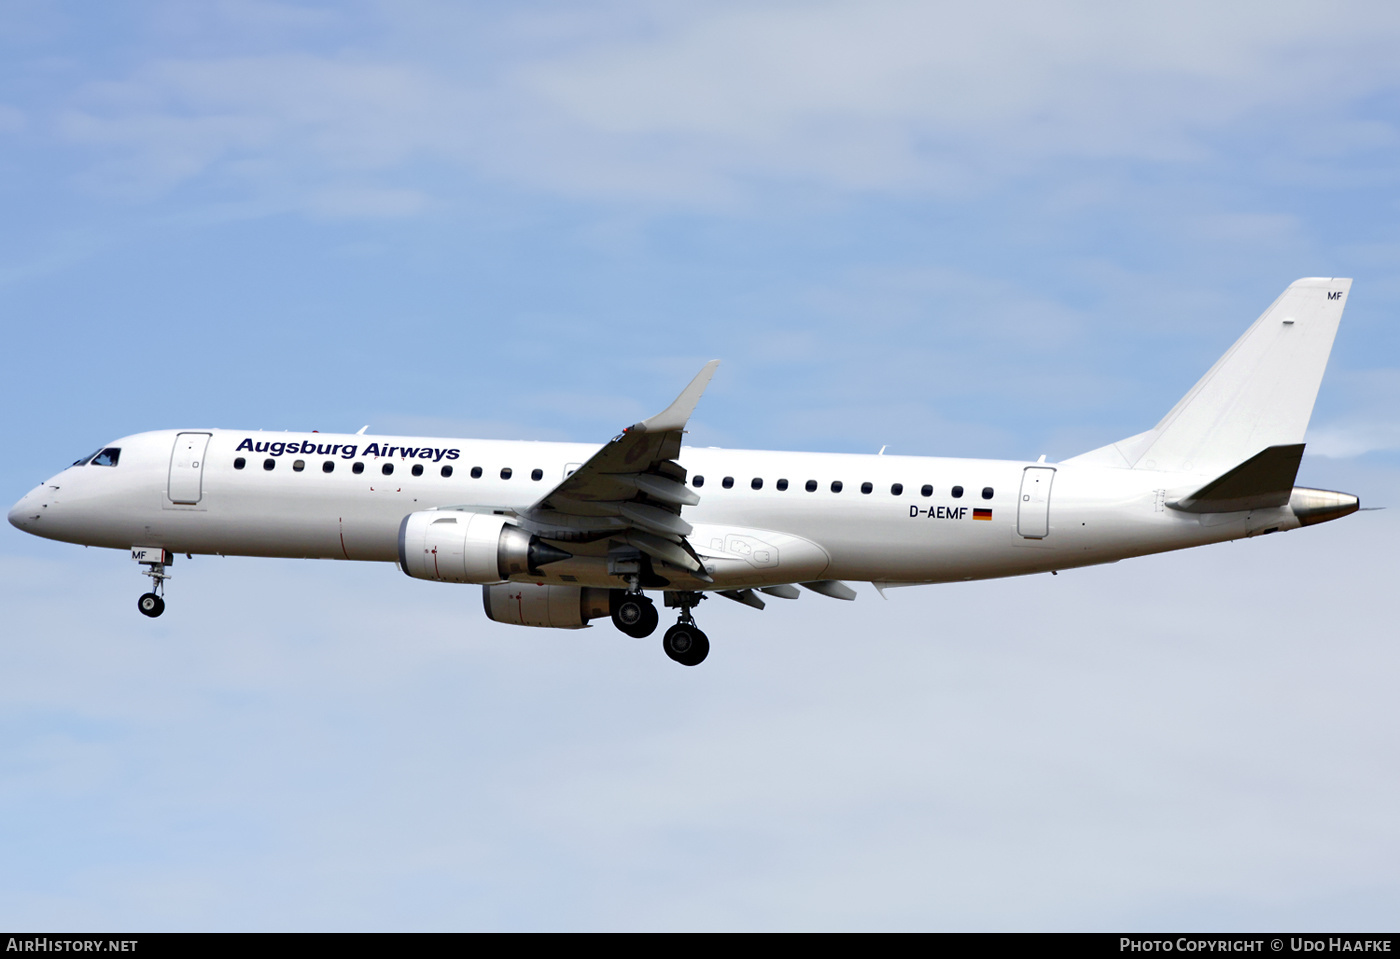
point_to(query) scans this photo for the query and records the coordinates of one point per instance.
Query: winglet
(675, 416)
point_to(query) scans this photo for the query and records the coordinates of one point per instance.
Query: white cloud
(700, 106)
(1372, 421)
(898, 95)
(1354, 439)
(280, 119)
(357, 201)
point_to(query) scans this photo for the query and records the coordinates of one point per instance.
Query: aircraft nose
(22, 514)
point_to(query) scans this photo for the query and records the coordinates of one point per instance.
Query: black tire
(636, 616)
(150, 605)
(686, 645)
(649, 623)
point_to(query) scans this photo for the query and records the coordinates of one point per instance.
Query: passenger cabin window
(896, 489)
(536, 475)
(926, 490)
(866, 487)
(358, 468)
(328, 466)
(298, 466)
(476, 472)
(387, 469)
(811, 486)
(107, 457)
(987, 492)
(269, 463)
(836, 486)
(698, 482)
(957, 492)
(417, 469)
(239, 463)
(505, 472)
(727, 482)
(757, 483)
(447, 471)
(782, 485)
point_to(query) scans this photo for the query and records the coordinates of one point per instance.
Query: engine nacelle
(455, 546)
(534, 604)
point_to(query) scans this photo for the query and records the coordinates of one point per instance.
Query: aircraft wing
(632, 489)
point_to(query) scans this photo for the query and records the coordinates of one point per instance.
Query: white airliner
(561, 533)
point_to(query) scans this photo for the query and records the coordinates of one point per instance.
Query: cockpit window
(107, 457)
(86, 459)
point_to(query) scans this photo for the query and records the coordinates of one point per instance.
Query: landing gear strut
(152, 604)
(684, 642)
(634, 614)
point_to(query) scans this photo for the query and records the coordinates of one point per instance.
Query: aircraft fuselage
(923, 519)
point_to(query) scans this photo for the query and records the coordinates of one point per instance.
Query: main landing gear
(684, 642)
(634, 614)
(152, 604)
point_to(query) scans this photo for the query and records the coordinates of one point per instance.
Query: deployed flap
(1263, 480)
(632, 487)
(1259, 394)
(833, 588)
(745, 596)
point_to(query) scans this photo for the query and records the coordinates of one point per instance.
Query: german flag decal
(981, 514)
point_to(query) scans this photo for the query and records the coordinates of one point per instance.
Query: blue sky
(1005, 231)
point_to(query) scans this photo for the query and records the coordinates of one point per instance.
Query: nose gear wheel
(152, 604)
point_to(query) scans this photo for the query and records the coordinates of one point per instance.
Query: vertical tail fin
(1259, 394)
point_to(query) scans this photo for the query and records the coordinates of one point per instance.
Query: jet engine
(537, 604)
(455, 546)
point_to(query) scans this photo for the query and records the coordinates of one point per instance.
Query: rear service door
(1033, 513)
(187, 469)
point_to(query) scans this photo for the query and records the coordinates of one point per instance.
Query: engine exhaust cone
(542, 554)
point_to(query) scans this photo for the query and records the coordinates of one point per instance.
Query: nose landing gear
(155, 560)
(150, 604)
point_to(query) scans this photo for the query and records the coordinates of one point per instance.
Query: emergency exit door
(1033, 509)
(187, 469)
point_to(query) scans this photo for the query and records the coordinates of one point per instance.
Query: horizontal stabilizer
(1263, 480)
